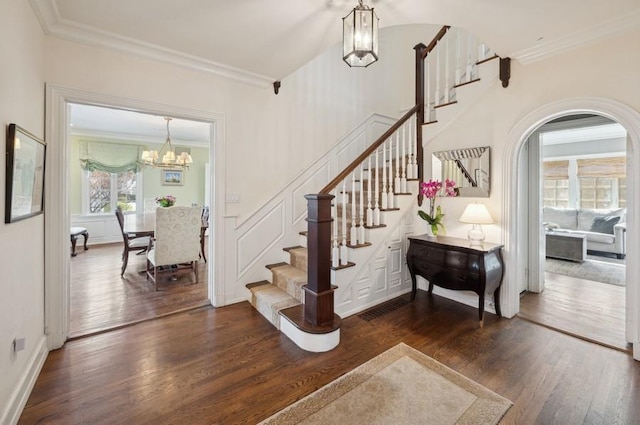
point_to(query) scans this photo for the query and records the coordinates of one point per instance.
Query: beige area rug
(400, 386)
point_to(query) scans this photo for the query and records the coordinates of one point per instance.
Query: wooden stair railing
(372, 181)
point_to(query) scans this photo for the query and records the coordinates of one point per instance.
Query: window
(556, 193)
(106, 191)
(602, 192)
(595, 183)
(556, 184)
(602, 182)
(112, 177)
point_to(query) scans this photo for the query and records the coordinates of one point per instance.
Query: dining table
(144, 225)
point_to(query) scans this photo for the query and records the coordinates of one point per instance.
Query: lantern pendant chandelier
(360, 36)
(169, 159)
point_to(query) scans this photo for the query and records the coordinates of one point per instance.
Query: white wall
(22, 260)
(606, 69)
(269, 139)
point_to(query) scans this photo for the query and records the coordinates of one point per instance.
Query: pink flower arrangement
(166, 201)
(430, 190)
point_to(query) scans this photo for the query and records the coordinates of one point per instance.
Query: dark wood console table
(452, 264)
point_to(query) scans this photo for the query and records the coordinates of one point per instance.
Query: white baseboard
(13, 409)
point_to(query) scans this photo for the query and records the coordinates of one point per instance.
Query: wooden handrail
(364, 155)
(435, 40)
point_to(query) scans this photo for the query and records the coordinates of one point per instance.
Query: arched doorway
(516, 239)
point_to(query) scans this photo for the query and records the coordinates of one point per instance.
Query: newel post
(421, 53)
(318, 295)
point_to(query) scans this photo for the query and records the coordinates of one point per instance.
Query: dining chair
(203, 231)
(131, 241)
(150, 205)
(176, 243)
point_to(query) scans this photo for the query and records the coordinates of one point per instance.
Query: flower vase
(431, 234)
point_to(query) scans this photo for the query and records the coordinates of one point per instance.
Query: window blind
(613, 167)
(556, 170)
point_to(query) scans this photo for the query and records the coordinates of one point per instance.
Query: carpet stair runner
(285, 290)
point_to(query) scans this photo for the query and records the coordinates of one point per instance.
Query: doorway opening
(577, 198)
(57, 217)
(105, 146)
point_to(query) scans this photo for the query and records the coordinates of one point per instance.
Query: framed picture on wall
(172, 177)
(24, 190)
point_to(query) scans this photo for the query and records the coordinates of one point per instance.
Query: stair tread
(255, 284)
(269, 300)
(344, 266)
(290, 271)
(274, 265)
(289, 248)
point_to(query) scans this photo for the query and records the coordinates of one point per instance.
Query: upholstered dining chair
(150, 205)
(176, 241)
(131, 242)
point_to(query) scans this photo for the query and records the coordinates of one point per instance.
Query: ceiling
(118, 124)
(260, 41)
(269, 39)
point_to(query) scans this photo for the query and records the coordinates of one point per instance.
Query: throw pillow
(604, 224)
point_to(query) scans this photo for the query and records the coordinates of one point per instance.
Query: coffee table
(566, 246)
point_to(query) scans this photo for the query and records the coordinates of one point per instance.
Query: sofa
(605, 229)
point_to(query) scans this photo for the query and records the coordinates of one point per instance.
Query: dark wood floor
(591, 310)
(101, 299)
(230, 366)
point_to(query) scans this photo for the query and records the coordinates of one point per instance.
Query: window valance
(109, 157)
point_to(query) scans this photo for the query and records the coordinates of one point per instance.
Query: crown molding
(54, 25)
(108, 136)
(581, 38)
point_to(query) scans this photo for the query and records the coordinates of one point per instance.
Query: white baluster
(414, 160)
(361, 232)
(369, 209)
(376, 183)
(409, 154)
(427, 65)
(458, 39)
(447, 82)
(469, 57)
(391, 196)
(398, 161)
(385, 189)
(482, 51)
(354, 218)
(335, 251)
(403, 176)
(344, 259)
(436, 99)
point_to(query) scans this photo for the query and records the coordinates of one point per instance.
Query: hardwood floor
(591, 310)
(230, 366)
(101, 299)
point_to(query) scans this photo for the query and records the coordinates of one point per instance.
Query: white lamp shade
(476, 214)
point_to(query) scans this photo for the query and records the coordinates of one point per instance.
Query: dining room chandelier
(168, 155)
(360, 36)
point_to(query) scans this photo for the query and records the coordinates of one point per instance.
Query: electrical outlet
(19, 344)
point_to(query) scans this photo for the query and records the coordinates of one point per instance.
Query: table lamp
(476, 214)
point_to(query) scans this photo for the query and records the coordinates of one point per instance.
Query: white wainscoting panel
(259, 237)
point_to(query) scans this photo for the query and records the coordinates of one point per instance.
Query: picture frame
(172, 177)
(24, 183)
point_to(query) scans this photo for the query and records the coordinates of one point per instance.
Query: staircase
(352, 216)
